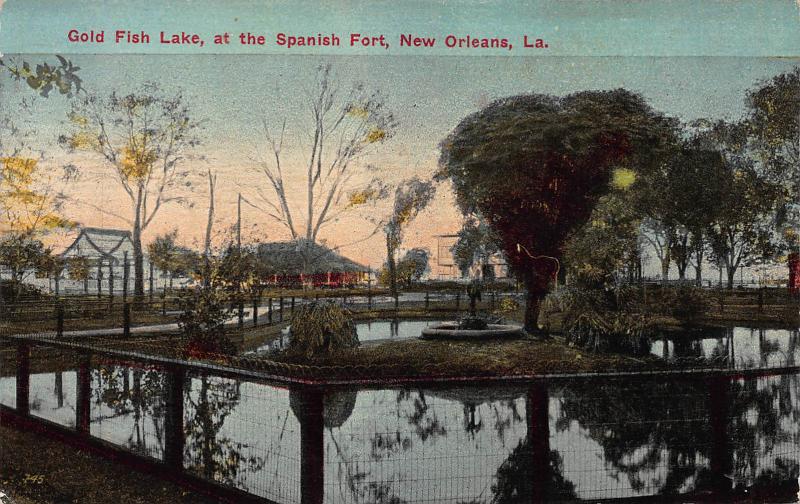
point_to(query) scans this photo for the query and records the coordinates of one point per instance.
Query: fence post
(493, 299)
(369, 299)
(280, 307)
(59, 320)
(126, 320)
(240, 307)
(312, 441)
(99, 279)
(396, 300)
(126, 275)
(151, 283)
(83, 393)
(293, 306)
(458, 301)
(761, 300)
(427, 299)
(720, 459)
(23, 377)
(173, 418)
(255, 311)
(538, 438)
(164, 303)
(110, 285)
(269, 310)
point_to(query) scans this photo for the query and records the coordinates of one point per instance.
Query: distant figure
(474, 293)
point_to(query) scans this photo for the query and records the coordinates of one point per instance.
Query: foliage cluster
(321, 327)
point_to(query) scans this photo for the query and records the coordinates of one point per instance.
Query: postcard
(430, 251)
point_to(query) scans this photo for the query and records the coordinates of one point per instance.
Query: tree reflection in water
(426, 417)
(659, 436)
(137, 395)
(133, 394)
(208, 450)
(764, 432)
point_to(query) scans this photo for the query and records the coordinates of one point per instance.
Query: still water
(376, 331)
(592, 438)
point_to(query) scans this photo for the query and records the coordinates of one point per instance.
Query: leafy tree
(142, 138)
(742, 232)
(171, 258)
(773, 128)
(52, 266)
(237, 267)
(78, 269)
(601, 249)
(677, 203)
(475, 242)
(412, 266)
(21, 255)
(410, 198)
(741, 195)
(534, 166)
(28, 203)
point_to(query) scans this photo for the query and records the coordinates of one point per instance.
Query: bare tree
(345, 127)
(142, 138)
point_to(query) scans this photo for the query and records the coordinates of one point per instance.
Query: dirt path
(38, 470)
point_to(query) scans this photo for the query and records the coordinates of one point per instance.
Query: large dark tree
(535, 165)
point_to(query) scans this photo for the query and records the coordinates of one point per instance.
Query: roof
(106, 232)
(104, 241)
(290, 258)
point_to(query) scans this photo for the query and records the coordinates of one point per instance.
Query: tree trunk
(682, 265)
(665, 270)
(138, 255)
(698, 255)
(731, 270)
(532, 305)
(212, 180)
(392, 266)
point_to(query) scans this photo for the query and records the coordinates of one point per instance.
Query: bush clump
(603, 320)
(321, 327)
(684, 302)
(507, 306)
(204, 311)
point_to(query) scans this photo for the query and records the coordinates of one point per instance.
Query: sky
(233, 94)
(688, 59)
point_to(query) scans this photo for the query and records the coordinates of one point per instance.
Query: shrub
(684, 302)
(321, 327)
(603, 320)
(204, 311)
(507, 305)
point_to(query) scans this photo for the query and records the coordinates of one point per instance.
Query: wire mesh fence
(580, 438)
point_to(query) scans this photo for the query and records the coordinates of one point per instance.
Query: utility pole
(239, 256)
(239, 222)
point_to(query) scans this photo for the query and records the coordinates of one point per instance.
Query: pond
(739, 347)
(375, 331)
(576, 439)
